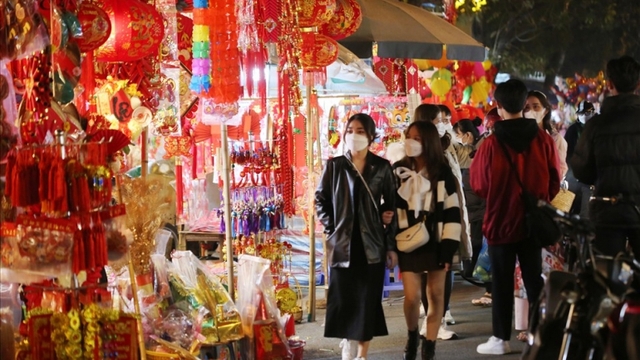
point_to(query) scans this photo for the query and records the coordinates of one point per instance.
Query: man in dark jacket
(608, 156)
(535, 160)
(580, 206)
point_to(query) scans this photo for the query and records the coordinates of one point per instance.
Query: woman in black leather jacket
(358, 243)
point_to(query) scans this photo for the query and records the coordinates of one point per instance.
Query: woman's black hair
(426, 112)
(445, 109)
(546, 121)
(469, 126)
(429, 112)
(432, 151)
(367, 123)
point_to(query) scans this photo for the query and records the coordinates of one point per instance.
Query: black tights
(448, 285)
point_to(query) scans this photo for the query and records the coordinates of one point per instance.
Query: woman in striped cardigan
(427, 192)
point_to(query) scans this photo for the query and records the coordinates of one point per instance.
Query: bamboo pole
(310, 193)
(226, 193)
(144, 161)
(136, 306)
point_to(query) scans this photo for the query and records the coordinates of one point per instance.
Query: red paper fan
(115, 139)
(201, 133)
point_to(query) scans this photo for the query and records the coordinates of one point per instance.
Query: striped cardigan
(443, 221)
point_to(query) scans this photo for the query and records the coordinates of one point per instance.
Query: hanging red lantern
(315, 12)
(137, 31)
(318, 51)
(345, 21)
(96, 27)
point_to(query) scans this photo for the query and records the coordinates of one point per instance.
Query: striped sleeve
(452, 227)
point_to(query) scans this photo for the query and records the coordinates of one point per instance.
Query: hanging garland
(253, 53)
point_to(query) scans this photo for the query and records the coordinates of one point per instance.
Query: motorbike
(592, 309)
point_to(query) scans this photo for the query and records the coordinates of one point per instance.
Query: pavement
(473, 326)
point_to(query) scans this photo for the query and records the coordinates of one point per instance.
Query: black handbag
(539, 224)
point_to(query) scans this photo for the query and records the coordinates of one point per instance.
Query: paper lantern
(479, 93)
(96, 27)
(317, 51)
(315, 12)
(136, 31)
(440, 87)
(345, 21)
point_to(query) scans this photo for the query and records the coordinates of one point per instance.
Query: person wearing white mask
(360, 237)
(538, 107)
(585, 111)
(437, 115)
(427, 193)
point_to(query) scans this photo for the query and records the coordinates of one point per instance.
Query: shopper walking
(349, 205)
(535, 160)
(427, 193)
(580, 206)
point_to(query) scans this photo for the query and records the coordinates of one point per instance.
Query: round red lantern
(136, 31)
(318, 51)
(96, 27)
(345, 21)
(315, 12)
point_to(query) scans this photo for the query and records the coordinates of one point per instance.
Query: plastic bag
(261, 318)
(482, 271)
(191, 280)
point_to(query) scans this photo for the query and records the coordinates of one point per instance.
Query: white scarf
(414, 189)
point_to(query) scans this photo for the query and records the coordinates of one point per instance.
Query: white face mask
(583, 118)
(412, 148)
(454, 136)
(356, 142)
(538, 115)
(442, 129)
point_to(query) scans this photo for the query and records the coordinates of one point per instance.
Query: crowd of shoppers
(455, 186)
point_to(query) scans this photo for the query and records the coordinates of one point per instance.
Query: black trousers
(503, 263)
(611, 241)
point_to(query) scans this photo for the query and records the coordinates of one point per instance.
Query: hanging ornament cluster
(345, 21)
(216, 71)
(136, 31)
(201, 50)
(252, 32)
(39, 114)
(318, 50)
(60, 227)
(289, 52)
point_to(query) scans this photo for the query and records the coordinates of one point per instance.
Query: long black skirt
(354, 301)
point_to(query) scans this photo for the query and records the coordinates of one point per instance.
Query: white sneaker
(444, 333)
(346, 349)
(448, 318)
(494, 346)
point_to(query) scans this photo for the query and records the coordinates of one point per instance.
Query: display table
(201, 236)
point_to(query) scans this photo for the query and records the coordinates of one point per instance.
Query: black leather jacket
(334, 204)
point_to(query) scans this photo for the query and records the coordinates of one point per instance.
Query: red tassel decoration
(77, 263)
(9, 172)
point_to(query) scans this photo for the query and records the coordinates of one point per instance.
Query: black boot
(411, 348)
(428, 349)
